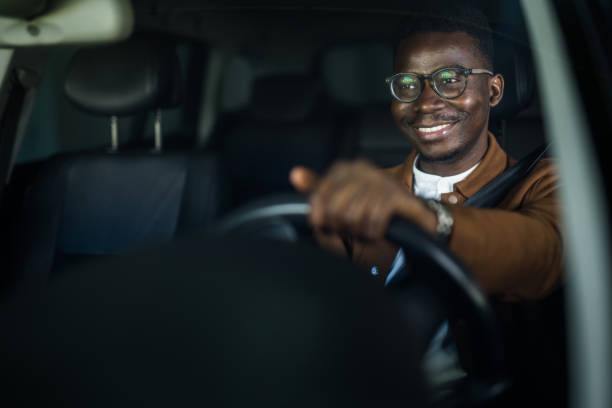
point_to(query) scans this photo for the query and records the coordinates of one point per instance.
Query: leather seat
(285, 124)
(99, 203)
(354, 76)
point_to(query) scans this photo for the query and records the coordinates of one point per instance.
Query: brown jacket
(515, 250)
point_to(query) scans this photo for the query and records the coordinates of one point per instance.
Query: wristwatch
(445, 220)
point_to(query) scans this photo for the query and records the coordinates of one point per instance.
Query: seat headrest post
(157, 125)
(114, 128)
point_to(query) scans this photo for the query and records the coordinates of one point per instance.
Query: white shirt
(432, 186)
(427, 186)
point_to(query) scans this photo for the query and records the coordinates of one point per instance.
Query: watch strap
(444, 227)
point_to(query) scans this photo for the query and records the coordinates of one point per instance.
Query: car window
(54, 121)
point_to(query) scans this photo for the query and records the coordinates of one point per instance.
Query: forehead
(423, 53)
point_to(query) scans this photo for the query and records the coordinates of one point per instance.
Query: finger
(345, 208)
(401, 204)
(326, 191)
(358, 206)
(378, 219)
(303, 179)
(339, 181)
(366, 216)
(369, 211)
(340, 201)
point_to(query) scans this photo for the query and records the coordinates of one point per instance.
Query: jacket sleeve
(515, 250)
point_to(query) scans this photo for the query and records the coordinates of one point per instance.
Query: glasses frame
(422, 77)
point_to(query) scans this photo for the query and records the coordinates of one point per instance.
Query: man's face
(462, 139)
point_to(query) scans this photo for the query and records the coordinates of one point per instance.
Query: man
(443, 89)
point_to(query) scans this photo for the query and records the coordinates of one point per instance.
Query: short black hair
(443, 17)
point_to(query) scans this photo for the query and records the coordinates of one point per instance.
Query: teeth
(433, 129)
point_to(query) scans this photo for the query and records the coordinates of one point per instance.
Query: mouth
(433, 133)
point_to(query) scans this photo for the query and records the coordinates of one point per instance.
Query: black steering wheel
(281, 216)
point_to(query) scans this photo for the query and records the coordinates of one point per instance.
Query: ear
(496, 89)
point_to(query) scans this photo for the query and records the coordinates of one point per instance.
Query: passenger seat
(105, 202)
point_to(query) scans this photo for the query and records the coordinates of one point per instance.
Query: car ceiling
(22, 8)
(283, 24)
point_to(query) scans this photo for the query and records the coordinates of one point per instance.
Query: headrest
(124, 78)
(355, 74)
(236, 84)
(515, 64)
(284, 97)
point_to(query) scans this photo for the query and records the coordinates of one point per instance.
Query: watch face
(445, 219)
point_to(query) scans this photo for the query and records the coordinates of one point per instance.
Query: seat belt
(494, 192)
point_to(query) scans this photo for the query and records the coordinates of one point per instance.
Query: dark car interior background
(207, 107)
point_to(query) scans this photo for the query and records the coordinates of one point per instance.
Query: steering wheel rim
(446, 274)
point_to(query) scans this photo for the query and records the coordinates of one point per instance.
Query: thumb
(303, 179)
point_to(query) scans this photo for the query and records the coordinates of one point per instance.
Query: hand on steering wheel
(358, 199)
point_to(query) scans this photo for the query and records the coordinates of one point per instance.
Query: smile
(434, 128)
(433, 133)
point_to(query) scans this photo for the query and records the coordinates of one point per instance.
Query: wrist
(417, 211)
(444, 222)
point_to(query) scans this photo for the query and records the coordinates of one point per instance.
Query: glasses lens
(406, 87)
(450, 82)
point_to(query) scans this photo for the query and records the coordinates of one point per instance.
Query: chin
(438, 157)
(432, 155)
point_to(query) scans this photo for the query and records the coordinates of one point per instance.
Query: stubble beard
(447, 158)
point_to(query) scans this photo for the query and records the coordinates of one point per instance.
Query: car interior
(205, 107)
(122, 109)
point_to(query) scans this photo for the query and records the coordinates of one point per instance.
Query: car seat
(103, 202)
(354, 78)
(285, 124)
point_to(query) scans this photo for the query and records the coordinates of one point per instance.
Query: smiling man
(443, 89)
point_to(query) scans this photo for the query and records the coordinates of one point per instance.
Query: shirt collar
(494, 162)
(421, 176)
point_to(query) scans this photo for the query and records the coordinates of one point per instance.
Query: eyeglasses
(449, 83)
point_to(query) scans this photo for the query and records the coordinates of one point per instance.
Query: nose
(429, 100)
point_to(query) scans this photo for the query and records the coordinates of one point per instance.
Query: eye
(407, 82)
(449, 77)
